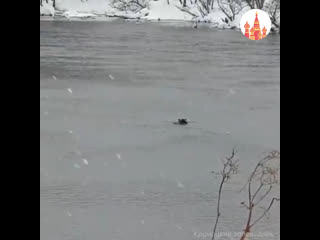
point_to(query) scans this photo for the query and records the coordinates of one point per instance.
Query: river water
(112, 164)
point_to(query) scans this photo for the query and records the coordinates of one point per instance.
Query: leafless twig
(230, 168)
(267, 175)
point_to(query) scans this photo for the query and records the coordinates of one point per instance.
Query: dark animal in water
(181, 121)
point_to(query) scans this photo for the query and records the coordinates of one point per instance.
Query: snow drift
(148, 10)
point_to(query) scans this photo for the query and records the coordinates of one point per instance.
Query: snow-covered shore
(47, 9)
(151, 10)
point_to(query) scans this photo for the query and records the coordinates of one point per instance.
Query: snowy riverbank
(146, 10)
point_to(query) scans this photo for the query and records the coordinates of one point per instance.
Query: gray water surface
(144, 178)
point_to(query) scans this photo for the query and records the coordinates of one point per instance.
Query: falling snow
(85, 161)
(69, 214)
(180, 185)
(70, 90)
(76, 166)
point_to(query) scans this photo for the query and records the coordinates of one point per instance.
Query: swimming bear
(181, 121)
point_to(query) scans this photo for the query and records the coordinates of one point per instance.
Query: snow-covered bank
(162, 10)
(47, 9)
(151, 10)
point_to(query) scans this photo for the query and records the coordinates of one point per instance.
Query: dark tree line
(255, 3)
(230, 8)
(129, 5)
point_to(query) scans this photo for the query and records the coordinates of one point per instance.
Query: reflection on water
(143, 177)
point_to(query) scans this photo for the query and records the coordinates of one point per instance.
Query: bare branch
(230, 8)
(258, 190)
(264, 195)
(186, 10)
(265, 212)
(129, 5)
(230, 168)
(265, 173)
